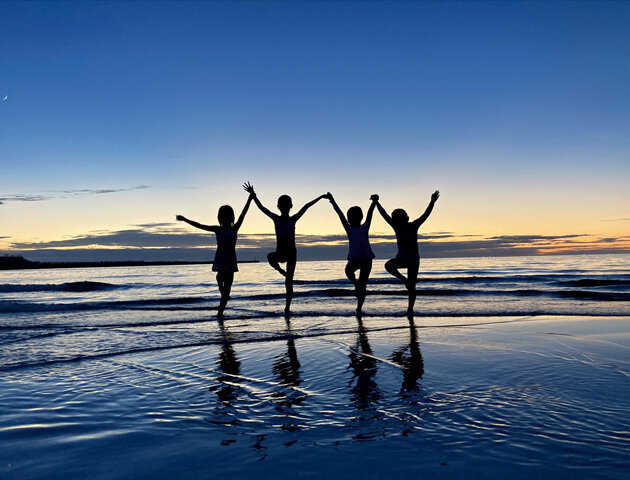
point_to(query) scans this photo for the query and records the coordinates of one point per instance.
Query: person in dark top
(225, 257)
(286, 251)
(407, 241)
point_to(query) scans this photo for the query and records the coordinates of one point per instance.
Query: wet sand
(502, 397)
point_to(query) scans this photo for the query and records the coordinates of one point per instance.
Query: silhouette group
(360, 252)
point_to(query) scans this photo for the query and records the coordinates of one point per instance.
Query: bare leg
(226, 279)
(350, 269)
(220, 282)
(288, 283)
(272, 258)
(412, 278)
(361, 285)
(392, 267)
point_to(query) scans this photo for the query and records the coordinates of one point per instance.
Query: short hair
(285, 201)
(355, 215)
(399, 217)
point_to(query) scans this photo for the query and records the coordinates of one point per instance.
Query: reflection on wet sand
(286, 367)
(229, 364)
(288, 398)
(365, 391)
(409, 358)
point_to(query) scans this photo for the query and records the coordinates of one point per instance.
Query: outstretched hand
(249, 188)
(435, 196)
(180, 218)
(374, 198)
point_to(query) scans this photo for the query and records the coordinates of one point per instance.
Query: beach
(511, 368)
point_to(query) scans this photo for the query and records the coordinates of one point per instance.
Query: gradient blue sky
(518, 112)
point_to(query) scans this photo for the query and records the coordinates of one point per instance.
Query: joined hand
(249, 188)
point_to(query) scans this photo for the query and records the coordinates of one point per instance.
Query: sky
(116, 116)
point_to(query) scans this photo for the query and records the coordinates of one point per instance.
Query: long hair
(226, 216)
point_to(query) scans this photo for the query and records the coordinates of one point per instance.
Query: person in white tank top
(360, 253)
(407, 241)
(225, 256)
(286, 250)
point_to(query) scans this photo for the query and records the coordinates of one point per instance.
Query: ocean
(512, 367)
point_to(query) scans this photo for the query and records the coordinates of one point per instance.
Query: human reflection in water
(410, 360)
(286, 367)
(229, 364)
(364, 366)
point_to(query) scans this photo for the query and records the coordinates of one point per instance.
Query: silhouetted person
(360, 253)
(286, 251)
(407, 241)
(411, 363)
(225, 257)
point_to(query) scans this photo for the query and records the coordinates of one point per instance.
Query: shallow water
(140, 381)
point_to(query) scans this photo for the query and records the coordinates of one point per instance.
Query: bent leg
(272, 258)
(352, 267)
(392, 267)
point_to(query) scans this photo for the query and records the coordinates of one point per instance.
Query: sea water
(512, 367)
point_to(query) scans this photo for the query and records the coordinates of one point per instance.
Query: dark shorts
(405, 263)
(284, 256)
(359, 264)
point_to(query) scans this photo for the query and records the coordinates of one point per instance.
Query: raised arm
(422, 218)
(249, 188)
(384, 214)
(303, 210)
(342, 217)
(370, 212)
(241, 217)
(208, 228)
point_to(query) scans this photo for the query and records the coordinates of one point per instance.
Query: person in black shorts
(407, 241)
(286, 251)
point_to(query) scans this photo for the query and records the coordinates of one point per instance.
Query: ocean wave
(596, 282)
(560, 279)
(28, 307)
(161, 303)
(85, 286)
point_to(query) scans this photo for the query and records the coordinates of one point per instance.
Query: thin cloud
(616, 220)
(55, 194)
(171, 238)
